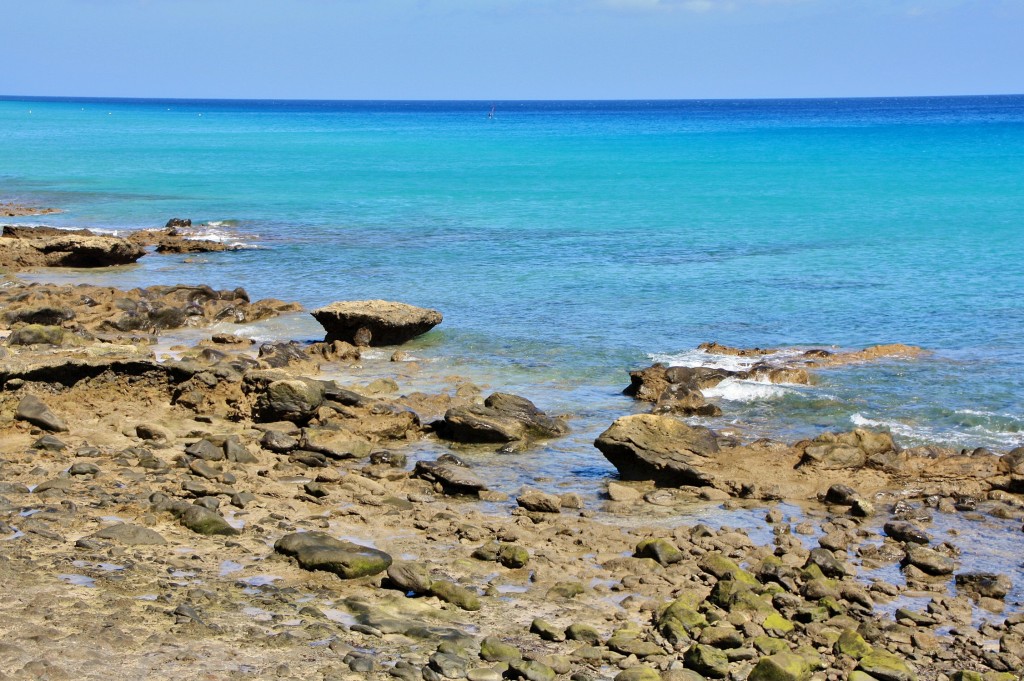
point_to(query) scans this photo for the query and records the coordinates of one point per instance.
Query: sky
(511, 49)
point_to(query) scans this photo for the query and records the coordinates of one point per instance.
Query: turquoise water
(568, 242)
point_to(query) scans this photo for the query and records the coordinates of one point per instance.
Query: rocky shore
(230, 513)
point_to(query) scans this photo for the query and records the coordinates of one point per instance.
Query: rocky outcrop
(176, 238)
(67, 250)
(98, 309)
(659, 448)
(502, 418)
(831, 451)
(375, 322)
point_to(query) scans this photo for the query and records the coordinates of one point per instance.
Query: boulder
(502, 418)
(34, 410)
(289, 400)
(903, 531)
(37, 334)
(837, 451)
(658, 448)
(68, 250)
(375, 322)
(929, 561)
(454, 478)
(204, 521)
(320, 551)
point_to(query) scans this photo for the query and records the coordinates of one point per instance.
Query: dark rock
(320, 551)
(49, 443)
(984, 584)
(289, 400)
(34, 410)
(659, 448)
(279, 442)
(375, 322)
(502, 418)
(843, 495)
(929, 561)
(206, 450)
(453, 478)
(410, 576)
(906, 532)
(175, 223)
(83, 468)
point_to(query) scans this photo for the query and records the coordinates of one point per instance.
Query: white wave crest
(737, 390)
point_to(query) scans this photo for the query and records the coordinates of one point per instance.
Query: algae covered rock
(887, 667)
(781, 667)
(320, 551)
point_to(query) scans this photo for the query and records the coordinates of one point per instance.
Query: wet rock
(132, 535)
(833, 451)
(453, 477)
(659, 448)
(984, 584)
(375, 322)
(929, 561)
(34, 411)
(320, 551)
(906, 532)
(502, 418)
(534, 500)
(204, 521)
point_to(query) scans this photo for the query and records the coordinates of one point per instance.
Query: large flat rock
(658, 448)
(321, 551)
(375, 322)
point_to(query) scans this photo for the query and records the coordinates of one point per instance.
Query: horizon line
(21, 97)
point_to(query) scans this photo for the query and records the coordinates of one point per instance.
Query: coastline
(799, 593)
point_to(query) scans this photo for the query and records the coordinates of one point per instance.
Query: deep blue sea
(568, 242)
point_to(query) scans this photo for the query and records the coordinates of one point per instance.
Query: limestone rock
(375, 322)
(659, 448)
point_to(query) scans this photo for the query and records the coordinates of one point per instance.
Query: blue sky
(511, 49)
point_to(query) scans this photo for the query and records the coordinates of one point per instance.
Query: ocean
(569, 242)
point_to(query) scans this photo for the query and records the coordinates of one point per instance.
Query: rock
(289, 400)
(133, 535)
(781, 667)
(204, 521)
(534, 500)
(410, 576)
(37, 334)
(532, 670)
(66, 249)
(375, 322)
(844, 495)
(34, 410)
(154, 433)
(836, 451)
(320, 551)
(929, 561)
(453, 478)
(583, 632)
(205, 451)
(661, 550)
(886, 667)
(336, 444)
(984, 584)
(546, 630)
(49, 443)
(659, 448)
(493, 649)
(903, 531)
(638, 674)
(513, 556)
(502, 418)
(853, 644)
(83, 468)
(623, 493)
(708, 661)
(459, 596)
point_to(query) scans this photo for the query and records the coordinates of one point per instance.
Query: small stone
(49, 443)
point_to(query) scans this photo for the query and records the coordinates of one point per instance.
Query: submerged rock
(320, 551)
(375, 322)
